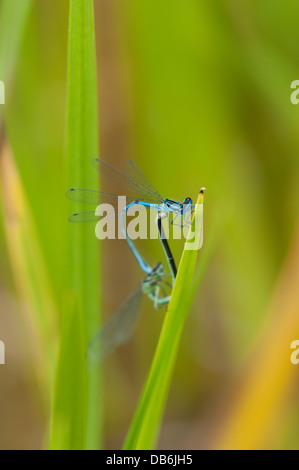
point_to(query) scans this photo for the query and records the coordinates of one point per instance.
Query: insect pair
(157, 285)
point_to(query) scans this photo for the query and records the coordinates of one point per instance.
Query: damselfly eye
(187, 200)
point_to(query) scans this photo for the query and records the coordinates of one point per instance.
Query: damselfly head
(153, 278)
(157, 271)
(187, 200)
(157, 287)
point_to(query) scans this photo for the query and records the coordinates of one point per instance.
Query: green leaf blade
(145, 425)
(76, 408)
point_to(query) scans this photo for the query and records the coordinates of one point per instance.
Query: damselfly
(138, 191)
(120, 326)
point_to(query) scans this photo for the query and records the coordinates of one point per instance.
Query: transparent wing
(91, 196)
(118, 328)
(88, 216)
(126, 184)
(133, 172)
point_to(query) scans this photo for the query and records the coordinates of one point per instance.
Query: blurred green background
(198, 94)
